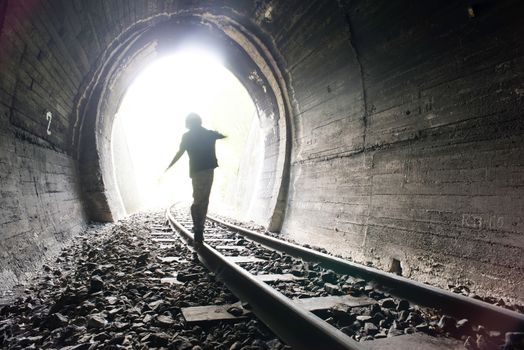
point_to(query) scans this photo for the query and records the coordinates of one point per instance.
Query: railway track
(312, 300)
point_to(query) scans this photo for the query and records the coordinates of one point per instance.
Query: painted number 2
(49, 117)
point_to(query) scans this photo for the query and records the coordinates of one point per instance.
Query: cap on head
(193, 120)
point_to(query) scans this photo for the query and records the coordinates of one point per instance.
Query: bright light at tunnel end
(191, 79)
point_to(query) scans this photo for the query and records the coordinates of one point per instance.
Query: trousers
(202, 182)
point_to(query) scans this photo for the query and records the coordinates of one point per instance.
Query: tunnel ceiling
(393, 129)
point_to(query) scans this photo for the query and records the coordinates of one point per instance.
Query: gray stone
(96, 285)
(394, 330)
(403, 305)
(332, 289)
(370, 328)
(55, 320)
(155, 304)
(96, 321)
(447, 324)
(158, 339)
(381, 334)
(235, 311)
(342, 315)
(409, 330)
(329, 277)
(164, 321)
(364, 318)
(236, 346)
(388, 303)
(414, 318)
(377, 317)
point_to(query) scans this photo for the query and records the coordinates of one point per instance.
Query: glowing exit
(150, 123)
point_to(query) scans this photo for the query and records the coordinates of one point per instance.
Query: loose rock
(96, 321)
(97, 284)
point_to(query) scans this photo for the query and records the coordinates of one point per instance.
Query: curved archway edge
(246, 57)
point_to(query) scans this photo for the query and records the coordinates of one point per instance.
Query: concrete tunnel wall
(405, 120)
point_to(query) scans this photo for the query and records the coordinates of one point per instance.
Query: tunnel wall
(408, 139)
(40, 205)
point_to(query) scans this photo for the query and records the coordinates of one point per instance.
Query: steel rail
(296, 326)
(477, 311)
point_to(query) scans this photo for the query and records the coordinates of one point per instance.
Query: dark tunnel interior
(392, 131)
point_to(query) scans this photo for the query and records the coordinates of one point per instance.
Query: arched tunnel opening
(149, 125)
(253, 68)
(386, 135)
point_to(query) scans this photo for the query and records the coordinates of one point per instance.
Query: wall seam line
(344, 6)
